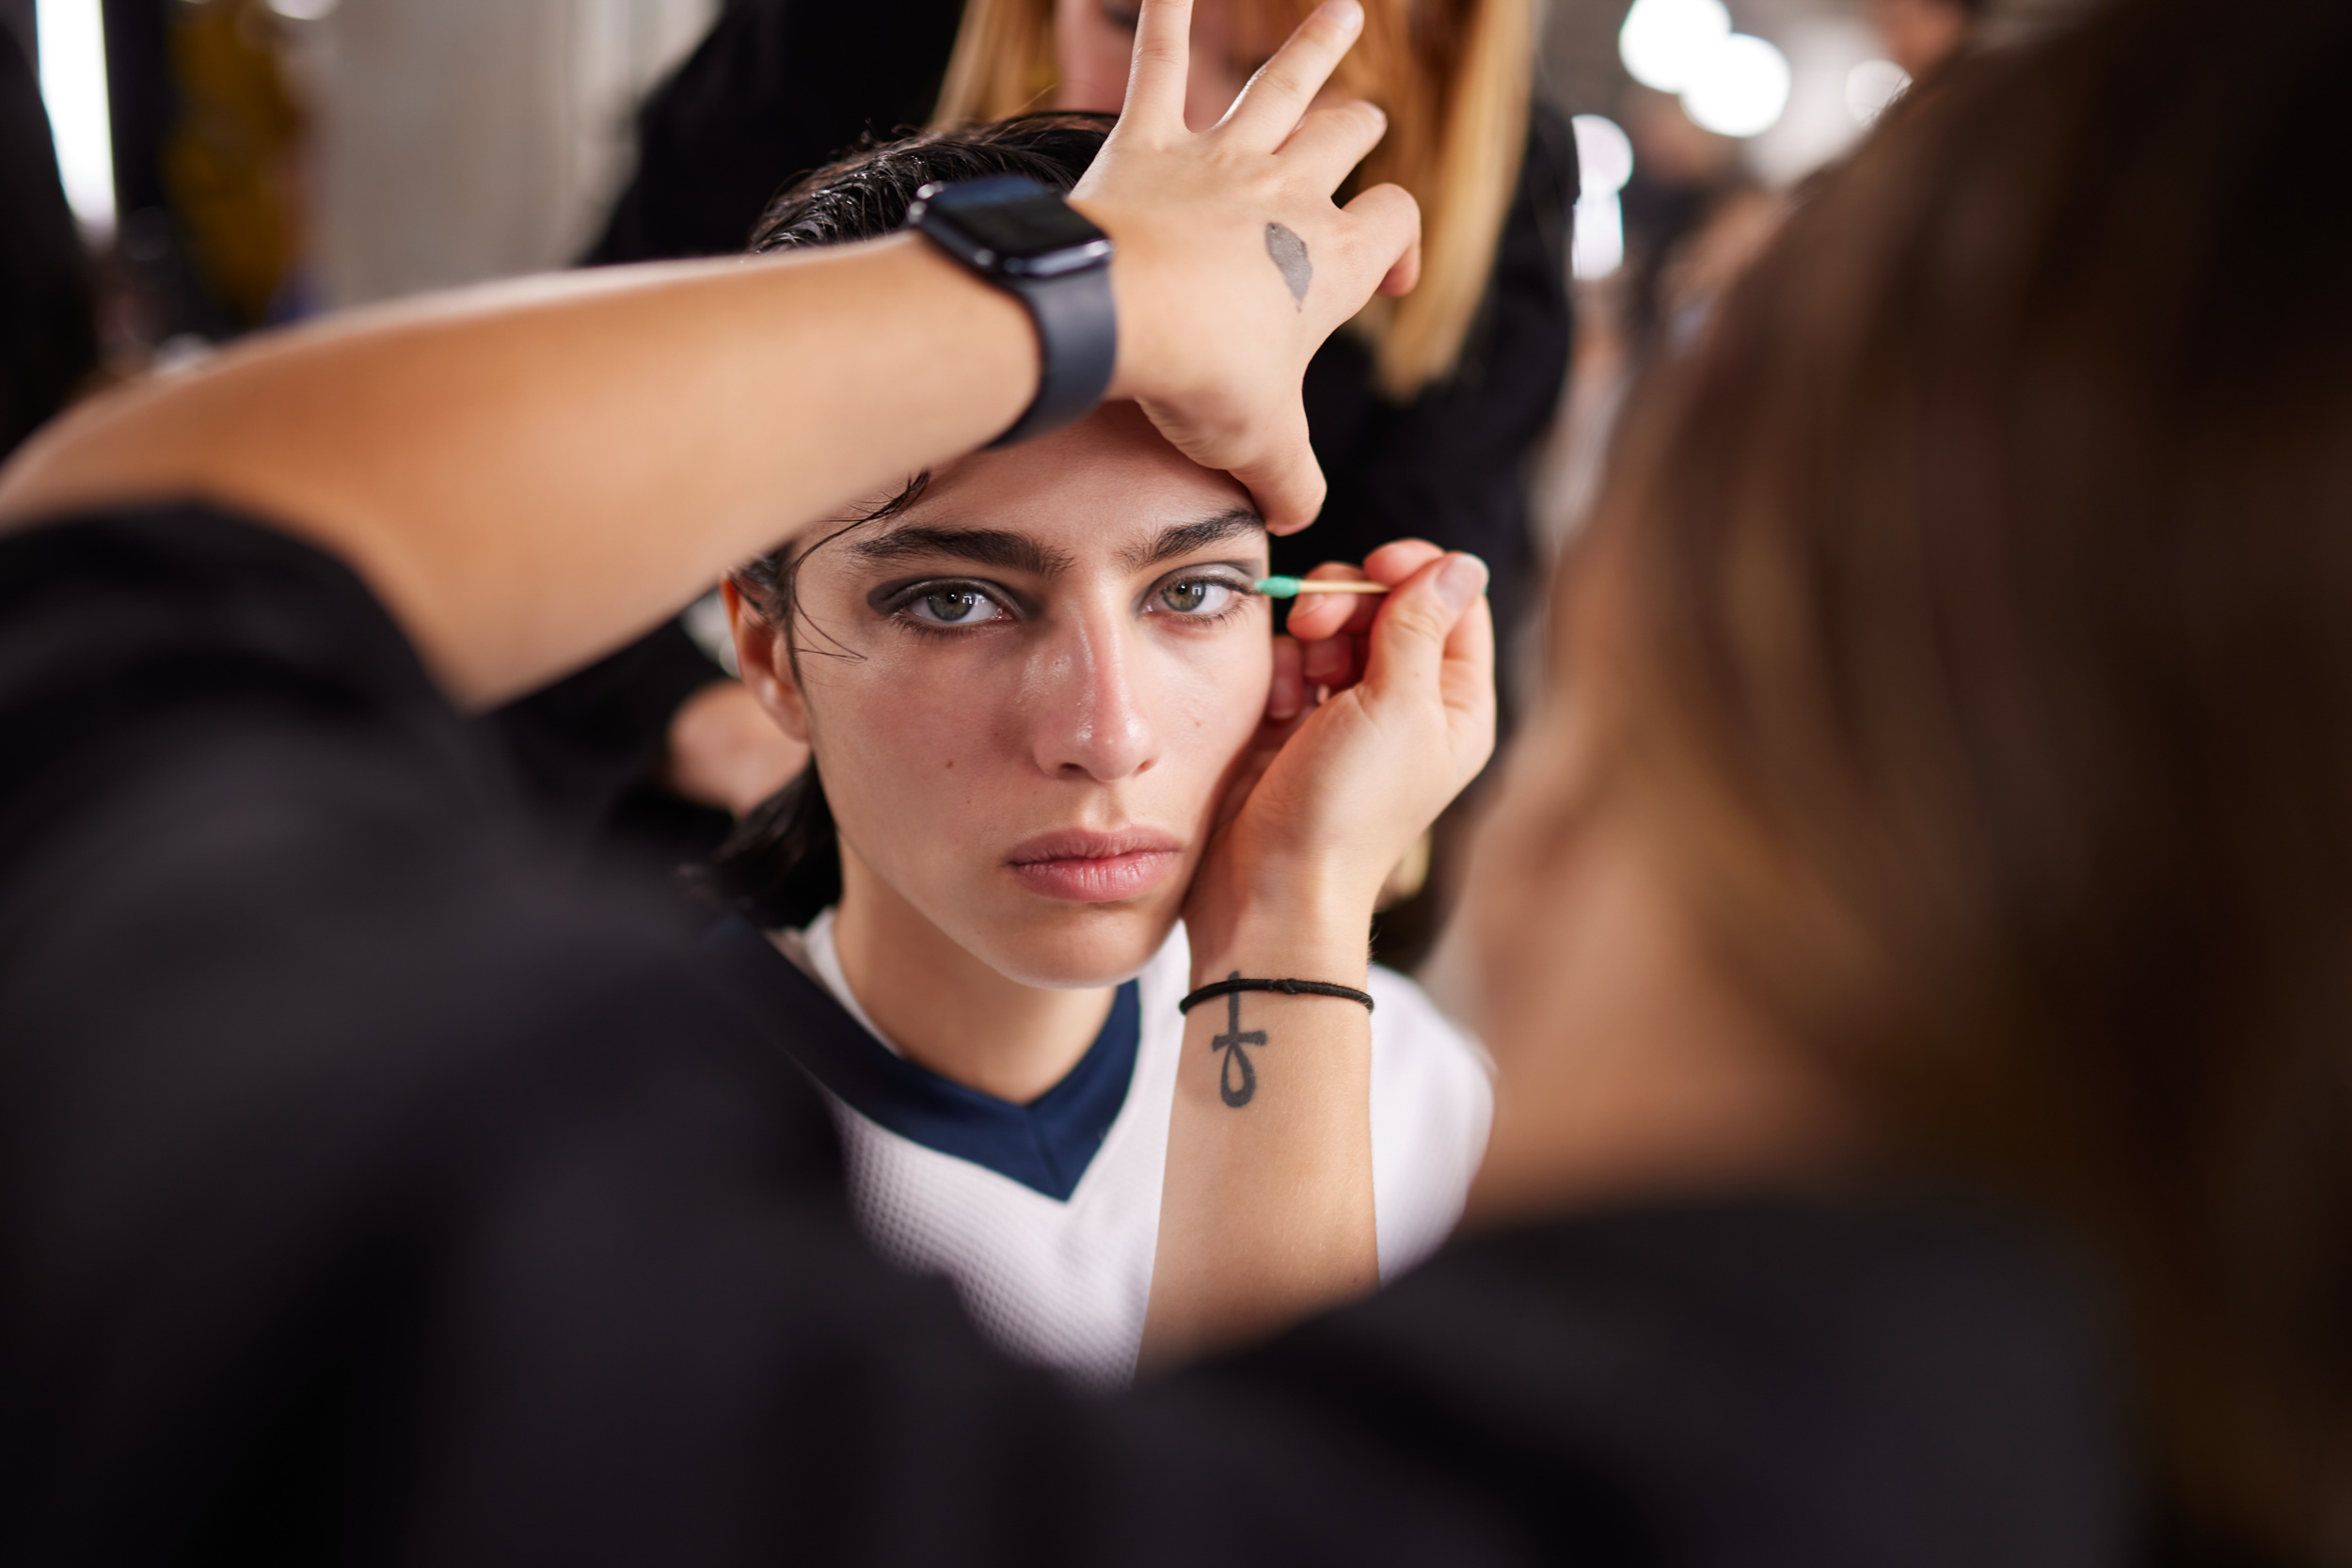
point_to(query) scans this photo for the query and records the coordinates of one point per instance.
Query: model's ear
(767, 664)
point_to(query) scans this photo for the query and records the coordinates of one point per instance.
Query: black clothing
(371, 1190)
(48, 322)
(1760, 1382)
(775, 90)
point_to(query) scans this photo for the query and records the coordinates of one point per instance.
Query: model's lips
(1094, 867)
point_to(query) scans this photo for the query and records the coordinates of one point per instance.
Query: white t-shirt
(1063, 1280)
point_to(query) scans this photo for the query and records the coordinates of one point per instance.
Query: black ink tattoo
(1231, 1041)
(1290, 259)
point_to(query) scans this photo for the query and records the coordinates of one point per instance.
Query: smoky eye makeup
(947, 603)
(1203, 593)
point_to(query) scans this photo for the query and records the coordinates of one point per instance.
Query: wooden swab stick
(1290, 587)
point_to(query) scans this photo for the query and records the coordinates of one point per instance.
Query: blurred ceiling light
(1604, 162)
(1739, 88)
(1663, 41)
(72, 42)
(1871, 86)
(303, 10)
(1604, 155)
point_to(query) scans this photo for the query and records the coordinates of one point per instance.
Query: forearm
(528, 473)
(1266, 1214)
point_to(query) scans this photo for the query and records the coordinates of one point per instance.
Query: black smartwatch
(1022, 236)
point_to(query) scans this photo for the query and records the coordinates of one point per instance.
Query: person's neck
(946, 1010)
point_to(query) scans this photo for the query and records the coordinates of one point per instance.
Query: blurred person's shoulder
(236, 812)
(318, 1079)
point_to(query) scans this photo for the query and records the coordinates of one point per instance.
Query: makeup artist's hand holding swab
(1337, 791)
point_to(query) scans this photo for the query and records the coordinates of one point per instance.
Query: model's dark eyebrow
(1185, 538)
(983, 546)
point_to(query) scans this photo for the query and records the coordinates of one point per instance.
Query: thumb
(1408, 638)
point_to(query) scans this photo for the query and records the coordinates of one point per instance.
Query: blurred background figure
(231, 163)
(48, 330)
(772, 91)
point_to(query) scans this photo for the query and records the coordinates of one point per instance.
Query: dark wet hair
(781, 865)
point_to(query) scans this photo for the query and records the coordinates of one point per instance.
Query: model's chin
(1075, 946)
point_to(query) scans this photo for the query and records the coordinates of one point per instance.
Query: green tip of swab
(1278, 587)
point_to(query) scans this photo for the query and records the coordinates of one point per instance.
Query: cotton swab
(1290, 587)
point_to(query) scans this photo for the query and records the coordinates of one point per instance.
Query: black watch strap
(1077, 337)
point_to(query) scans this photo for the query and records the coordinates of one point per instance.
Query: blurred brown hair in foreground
(1978, 613)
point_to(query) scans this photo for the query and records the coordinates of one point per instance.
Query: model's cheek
(1216, 704)
(905, 762)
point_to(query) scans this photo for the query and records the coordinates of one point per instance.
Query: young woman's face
(1027, 692)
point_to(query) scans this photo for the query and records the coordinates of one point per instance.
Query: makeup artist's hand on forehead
(1233, 265)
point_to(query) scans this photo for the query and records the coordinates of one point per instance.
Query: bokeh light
(1739, 88)
(1604, 159)
(72, 42)
(1664, 41)
(1871, 86)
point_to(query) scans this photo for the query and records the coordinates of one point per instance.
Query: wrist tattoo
(1290, 259)
(1236, 1090)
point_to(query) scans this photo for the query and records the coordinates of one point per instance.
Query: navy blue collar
(1045, 1144)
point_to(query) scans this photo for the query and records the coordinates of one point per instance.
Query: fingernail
(1346, 13)
(1462, 579)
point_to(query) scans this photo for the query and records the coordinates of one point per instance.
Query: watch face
(1019, 220)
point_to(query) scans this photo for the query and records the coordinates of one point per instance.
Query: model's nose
(1090, 717)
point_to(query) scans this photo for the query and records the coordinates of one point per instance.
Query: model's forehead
(1091, 483)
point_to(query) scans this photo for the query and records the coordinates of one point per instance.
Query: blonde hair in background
(1452, 77)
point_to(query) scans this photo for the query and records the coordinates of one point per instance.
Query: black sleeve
(775, 90)
(1450, 466)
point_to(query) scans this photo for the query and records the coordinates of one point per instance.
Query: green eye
(952, 605)
(1203, 597)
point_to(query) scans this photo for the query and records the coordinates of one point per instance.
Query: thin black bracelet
(1288, 988)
